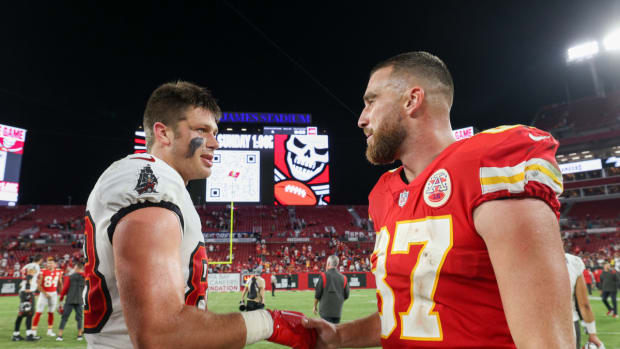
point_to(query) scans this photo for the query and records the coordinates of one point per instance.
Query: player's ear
(414, 97)
(162, 133)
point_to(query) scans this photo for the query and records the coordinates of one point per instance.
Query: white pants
(51, 302)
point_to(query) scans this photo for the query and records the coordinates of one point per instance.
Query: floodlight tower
(586, 52)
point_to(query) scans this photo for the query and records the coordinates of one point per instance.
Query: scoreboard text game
(12, 141)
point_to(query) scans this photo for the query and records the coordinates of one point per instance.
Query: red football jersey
(49, 280)
(435, 282)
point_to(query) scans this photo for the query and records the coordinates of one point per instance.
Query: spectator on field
(609, 283)
(73, 289)
(330, 292)
(597, 277)
(274, 281)
(587, 277)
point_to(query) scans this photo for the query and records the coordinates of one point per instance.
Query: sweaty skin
(194, 145)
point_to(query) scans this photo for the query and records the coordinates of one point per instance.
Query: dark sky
(77, 76)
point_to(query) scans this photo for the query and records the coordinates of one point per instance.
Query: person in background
(274, 281)
(255, 290)
(587, 277)
(597, 277)
(73, 289)
(26, 308)
(330, 292)
(581, 303)
(609, 288)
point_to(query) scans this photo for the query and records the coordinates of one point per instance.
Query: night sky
(77, 76)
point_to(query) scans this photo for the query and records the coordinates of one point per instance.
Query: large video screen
(282, 166)
(235, 176)
(12, 141)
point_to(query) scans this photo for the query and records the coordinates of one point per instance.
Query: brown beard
(387, 138)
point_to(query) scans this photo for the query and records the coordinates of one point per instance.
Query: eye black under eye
(298, 143)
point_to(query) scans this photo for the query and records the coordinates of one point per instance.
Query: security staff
(330, 292)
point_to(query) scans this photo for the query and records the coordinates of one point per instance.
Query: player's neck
(166, 157)
(421, 149)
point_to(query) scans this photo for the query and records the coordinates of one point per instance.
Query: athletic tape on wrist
(590, 327)
(258, 325)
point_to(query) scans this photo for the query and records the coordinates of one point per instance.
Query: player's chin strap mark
(194, 145)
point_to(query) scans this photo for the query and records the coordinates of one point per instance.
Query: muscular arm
(583, 302)
(150, 281)
(523, 239)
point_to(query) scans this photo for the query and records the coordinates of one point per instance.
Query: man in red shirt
(50, 279)
(597, 277)
(468, 250)
(587, 277)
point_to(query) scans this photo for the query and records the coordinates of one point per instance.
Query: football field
(361, 303)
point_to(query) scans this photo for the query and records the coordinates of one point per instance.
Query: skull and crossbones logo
(307, 156)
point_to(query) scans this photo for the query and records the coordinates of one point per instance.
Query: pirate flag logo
(146, 181)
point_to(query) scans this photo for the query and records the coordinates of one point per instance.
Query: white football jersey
(35, 269)
(135, 182)
(575, 269)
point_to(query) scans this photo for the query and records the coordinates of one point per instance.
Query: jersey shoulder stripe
(515, 178)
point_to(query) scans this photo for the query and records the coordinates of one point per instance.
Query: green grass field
(361, 303)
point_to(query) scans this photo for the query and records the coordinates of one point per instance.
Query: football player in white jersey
(33, 268)
(146, 263)
(579, 292)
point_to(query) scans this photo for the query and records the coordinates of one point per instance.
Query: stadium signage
(282, 281)
(266, 118)
(356, 280)
(581, 166)
(223, 282)
(9, 286)
(615, 161)
(463, 133)
(240, 141)
(297, 239)
(12, 132)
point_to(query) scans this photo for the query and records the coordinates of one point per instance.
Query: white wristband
(590, 327)
(258, 325)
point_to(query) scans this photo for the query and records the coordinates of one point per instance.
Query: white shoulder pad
(575, 266)
(138, 181)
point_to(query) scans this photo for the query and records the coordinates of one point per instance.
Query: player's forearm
(191, 328)
(361, 333)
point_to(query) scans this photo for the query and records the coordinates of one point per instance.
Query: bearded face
(386, 139)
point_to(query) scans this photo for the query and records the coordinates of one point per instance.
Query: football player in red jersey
(50, 280)
(146, 262)
(468, 251)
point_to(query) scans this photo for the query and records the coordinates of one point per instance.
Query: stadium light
(612, 41)
(583, 51)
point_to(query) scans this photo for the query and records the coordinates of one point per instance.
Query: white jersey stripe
(514, 178)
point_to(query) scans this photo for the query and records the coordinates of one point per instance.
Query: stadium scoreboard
(12, 140)
(283, 165)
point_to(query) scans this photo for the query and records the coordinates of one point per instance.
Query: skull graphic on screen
(306, 156)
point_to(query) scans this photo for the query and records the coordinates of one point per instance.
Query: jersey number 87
(420, 321)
